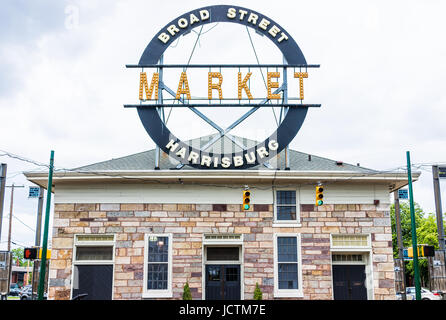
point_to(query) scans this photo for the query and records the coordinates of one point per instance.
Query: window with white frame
(93, 255)
(286, 207)
(158, 265)
(97, 248)
(350, 241)
(287, 265)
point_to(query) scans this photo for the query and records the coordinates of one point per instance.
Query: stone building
(123, 230)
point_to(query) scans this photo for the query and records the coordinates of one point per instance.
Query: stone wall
(188, 222)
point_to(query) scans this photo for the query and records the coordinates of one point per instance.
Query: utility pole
(10, 215)
(438, 208)
(414, 232)
(36, 264)
(39, 217)
(13, 186)
(400, 242)
(3, 167)
(27, 272)
(439, 214)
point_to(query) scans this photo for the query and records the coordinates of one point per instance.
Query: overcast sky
(63, 83)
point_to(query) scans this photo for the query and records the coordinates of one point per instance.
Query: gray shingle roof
(299, 161)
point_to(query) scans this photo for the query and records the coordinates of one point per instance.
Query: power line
(17, 243)
(24, 224)
(395, 170)
(20, 245)
(14, 216)
(14, 156)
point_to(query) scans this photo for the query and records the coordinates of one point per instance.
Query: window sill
(286, 224)
(288, 294)
(154, 294)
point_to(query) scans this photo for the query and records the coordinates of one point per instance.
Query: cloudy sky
(63, 83)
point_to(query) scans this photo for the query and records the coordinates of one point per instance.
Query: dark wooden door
(349, 282)
(223, 282)
(95, 280)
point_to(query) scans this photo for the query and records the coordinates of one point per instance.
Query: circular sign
(202, 159)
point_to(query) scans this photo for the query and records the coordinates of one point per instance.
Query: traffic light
(428, 251)
(319, 195)
(48, 253)
(30, 253)
(422, 250)
(405, 253)
(410, 252)
(246, 199)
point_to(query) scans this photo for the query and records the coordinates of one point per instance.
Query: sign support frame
(154, 122)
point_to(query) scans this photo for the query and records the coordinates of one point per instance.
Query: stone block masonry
(188, 222)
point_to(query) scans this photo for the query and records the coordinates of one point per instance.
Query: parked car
(25, 288)
(14, 289)
(425, 294)
(26, 294)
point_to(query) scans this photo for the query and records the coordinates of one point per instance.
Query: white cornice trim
(395, 180)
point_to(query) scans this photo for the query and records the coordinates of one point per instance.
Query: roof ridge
(297, 161)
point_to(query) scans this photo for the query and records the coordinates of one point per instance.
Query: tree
(406, 227)
(186, 292)
(427, 232)
(17, 254)
(426, 224)
(257, 292)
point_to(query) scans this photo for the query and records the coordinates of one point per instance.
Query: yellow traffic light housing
(246, 199)
(48, 253)
(319, 195)
(422, 251)
(410, 252)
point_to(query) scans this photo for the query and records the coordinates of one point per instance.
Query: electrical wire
(17, 243)
(216, 24)
(14, 156)
(15, 217)
(396, 170)
(258, 62)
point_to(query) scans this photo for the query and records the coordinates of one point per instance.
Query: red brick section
(188, 223)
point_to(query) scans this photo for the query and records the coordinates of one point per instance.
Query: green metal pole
(41, 288)
(414, 233)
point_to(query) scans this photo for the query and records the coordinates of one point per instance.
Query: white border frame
(93, 262)
(223, 243)
(288, 293)
(350, 248)
(286, 223)
(367, 253)
(158, 293)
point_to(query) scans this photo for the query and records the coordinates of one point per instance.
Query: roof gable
(299, 161)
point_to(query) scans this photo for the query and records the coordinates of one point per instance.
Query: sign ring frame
(283, 135)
